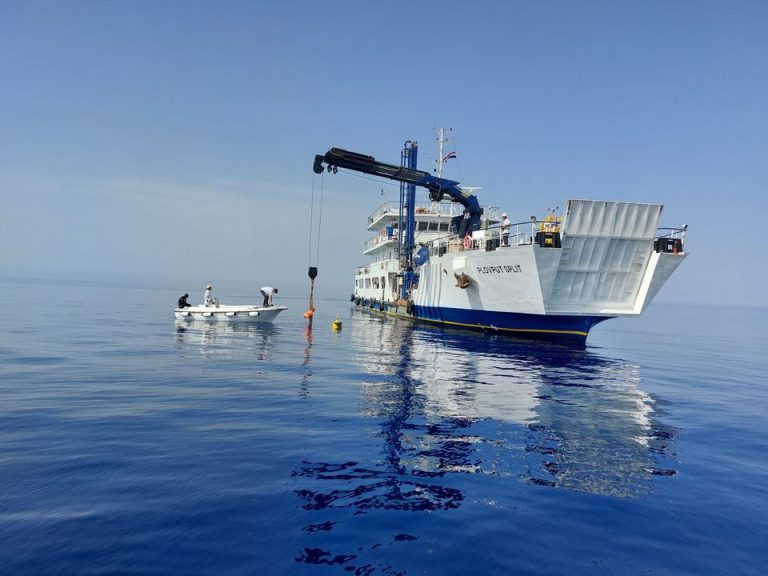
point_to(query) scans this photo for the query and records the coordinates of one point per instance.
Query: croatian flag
(449, 156)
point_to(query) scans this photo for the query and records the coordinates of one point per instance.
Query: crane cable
(313, 269)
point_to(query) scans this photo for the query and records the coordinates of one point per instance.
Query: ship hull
(565, 328)
(576, 327)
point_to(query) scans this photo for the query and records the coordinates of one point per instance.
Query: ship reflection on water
(459, 419)
(451, 403)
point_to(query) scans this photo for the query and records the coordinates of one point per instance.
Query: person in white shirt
(505, 224)
(267, 292)
(208, 296)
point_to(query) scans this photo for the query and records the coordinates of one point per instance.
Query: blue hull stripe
(510, 321)
(533, 324)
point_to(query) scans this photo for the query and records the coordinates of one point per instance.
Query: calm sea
(133, 445)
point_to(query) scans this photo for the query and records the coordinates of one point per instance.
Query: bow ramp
(608, 264)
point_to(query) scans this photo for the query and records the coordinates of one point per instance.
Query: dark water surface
(133, 445)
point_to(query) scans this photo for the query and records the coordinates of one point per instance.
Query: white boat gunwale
(230, 313)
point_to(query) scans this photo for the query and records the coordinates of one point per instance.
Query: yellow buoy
(336, 324)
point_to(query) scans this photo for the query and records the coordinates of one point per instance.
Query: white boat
(556, 277)
(230, 313)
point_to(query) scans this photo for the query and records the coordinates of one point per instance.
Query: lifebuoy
(467, 242)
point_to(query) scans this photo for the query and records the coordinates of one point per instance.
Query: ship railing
(381, 238)
(390, 237)
(523, 233)
(385, 208)
(672, 232)
(670, 239)
(421, 208)
(438, 209)
(486, 240)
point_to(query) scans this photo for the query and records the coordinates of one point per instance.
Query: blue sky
(173, 141)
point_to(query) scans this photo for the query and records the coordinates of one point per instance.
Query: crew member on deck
(505, 223)
(267, 292)
(208, 296)
(183, 301)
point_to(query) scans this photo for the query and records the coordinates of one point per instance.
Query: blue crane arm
(438, 187)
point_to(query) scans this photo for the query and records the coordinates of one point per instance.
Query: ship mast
(441, 139)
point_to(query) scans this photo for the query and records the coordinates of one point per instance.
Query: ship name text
(505, 269)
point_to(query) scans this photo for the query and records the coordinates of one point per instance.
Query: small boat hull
(230, 313)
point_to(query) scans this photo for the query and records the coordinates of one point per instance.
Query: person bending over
(267, 292)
